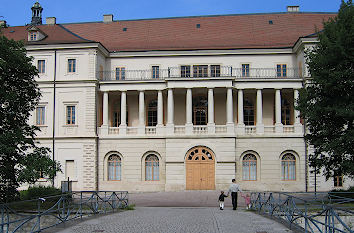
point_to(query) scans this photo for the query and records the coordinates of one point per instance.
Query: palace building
(167, 104)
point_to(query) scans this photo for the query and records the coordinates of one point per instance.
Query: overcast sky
(18, 12)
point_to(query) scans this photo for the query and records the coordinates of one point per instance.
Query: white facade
(97, 104)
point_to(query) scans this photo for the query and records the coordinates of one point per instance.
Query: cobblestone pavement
(179, 219)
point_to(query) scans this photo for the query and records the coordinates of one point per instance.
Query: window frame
(41, 66)
(283, 161)
(245, 70)
(153, 178)
(122, 73)
(196, 108)
(151, 119)
(286, 111)
(185, 71)
(155, 72)
(200, 71)
(43, 116)
(72, 66)
(281, 70)
(215, 71)
(115, 167)
(72, 119)
(33, 35)
(249, 167)
(246, 108)
(338, 181)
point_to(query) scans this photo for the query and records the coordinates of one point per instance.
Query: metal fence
(37, 215)
(308, 212)
(208, 72)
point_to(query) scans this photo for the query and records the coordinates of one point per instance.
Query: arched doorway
(200, 169)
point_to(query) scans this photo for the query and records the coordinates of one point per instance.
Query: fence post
(81, 204)
(39, 214)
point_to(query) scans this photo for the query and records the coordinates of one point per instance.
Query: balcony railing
(178, 72)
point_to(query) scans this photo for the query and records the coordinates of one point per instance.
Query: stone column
(278, 124)
(229, 112)
(104, 126)
(123, 113)
(240, 124)
(159, 126)
(211, 122)
(297, 124)
(141, 128)
(259, 125)
(189, 110)
(170, 112)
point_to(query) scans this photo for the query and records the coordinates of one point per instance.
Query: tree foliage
(21, 159)
(327, 101)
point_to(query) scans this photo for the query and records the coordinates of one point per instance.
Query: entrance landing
(200, 198)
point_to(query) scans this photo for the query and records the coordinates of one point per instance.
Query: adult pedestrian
(234, 188)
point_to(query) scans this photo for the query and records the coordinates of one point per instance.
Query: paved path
(179, 219)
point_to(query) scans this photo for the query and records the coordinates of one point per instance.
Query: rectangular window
(338, 181)
(70, 115)
(281, 70)
(120, 73)
(245, 70)
(33, 36)
(156, 72)
(116, 119)
(69, 169)
(40, 115)
(185, 71)
(215, 70)
(200, 71)
(71, 65)
(41, 66)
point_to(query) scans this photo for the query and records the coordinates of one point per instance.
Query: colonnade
(189, 111)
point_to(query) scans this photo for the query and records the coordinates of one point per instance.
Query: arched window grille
(285, 112)
(200, 111)
(288, 167)
(249, 167)
(152, 171)
(152, 113)
(114, 167)
(248, 112)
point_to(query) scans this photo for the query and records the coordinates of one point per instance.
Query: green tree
(21, 159)
(327, 101)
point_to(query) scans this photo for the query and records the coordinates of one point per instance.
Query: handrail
(307, 212)
(179, 72)
(27, 216)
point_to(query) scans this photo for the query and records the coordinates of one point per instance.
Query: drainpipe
(54, 95)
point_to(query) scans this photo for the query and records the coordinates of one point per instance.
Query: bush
(36, 192)
(345, 193)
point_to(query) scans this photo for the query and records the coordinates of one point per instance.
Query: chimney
(51, 20)
(293, 8)
(108, 18)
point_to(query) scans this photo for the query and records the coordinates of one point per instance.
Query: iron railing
(46, 212)
(179, 72)
(308, 212)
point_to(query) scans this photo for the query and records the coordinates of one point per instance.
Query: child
(221, 200)
(247, 201)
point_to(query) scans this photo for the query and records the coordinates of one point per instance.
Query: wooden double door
(200, 169)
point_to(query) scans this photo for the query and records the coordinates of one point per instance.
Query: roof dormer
(35, 34)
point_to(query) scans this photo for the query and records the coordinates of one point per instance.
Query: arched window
(152, 171)
(114, 167)
(285, 112)
(248, 112)
(200, 111)
(249, 167)
(288, 167)
(152, 113)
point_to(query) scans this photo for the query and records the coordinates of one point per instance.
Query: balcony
(212, 72)
(199, 130)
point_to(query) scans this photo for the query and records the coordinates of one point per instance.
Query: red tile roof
(55, 34)
(215, 32)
